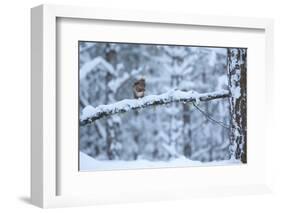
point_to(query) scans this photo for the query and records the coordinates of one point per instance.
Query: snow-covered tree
(237, 79)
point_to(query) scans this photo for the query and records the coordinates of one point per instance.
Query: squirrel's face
(139, 88)
(140, 82)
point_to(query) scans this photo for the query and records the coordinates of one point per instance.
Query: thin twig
(210, 118)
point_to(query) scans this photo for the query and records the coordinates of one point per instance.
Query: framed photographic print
(148, 105)
(152, 105)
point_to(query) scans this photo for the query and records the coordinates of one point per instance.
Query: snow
(222, 51)
(135, 72)
(170, 148)
(128, 104)
(87, 46)
(222, 82)
(116, 83)
(212, 59)
(88, 163)
(91, 65)
(87, 112)
(179, 51)
(236, 92)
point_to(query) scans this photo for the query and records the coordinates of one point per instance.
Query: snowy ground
(88, 163)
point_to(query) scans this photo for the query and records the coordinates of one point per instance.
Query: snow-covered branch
(91, 114)
(115, 84)
(91, 65)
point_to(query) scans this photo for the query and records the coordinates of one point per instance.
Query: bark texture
(237, 70)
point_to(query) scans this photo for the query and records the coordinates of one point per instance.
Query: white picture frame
(45, 168)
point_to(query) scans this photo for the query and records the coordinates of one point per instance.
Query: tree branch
(91, 65)
(91, 114)
(210, 118)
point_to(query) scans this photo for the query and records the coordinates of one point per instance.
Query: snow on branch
(115, 84)
(91, 65)
(91, 114)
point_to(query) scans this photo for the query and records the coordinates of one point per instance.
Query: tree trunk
(176, 124)
(237, 79)
(111, 125)
(187, 133)
(108, 124)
